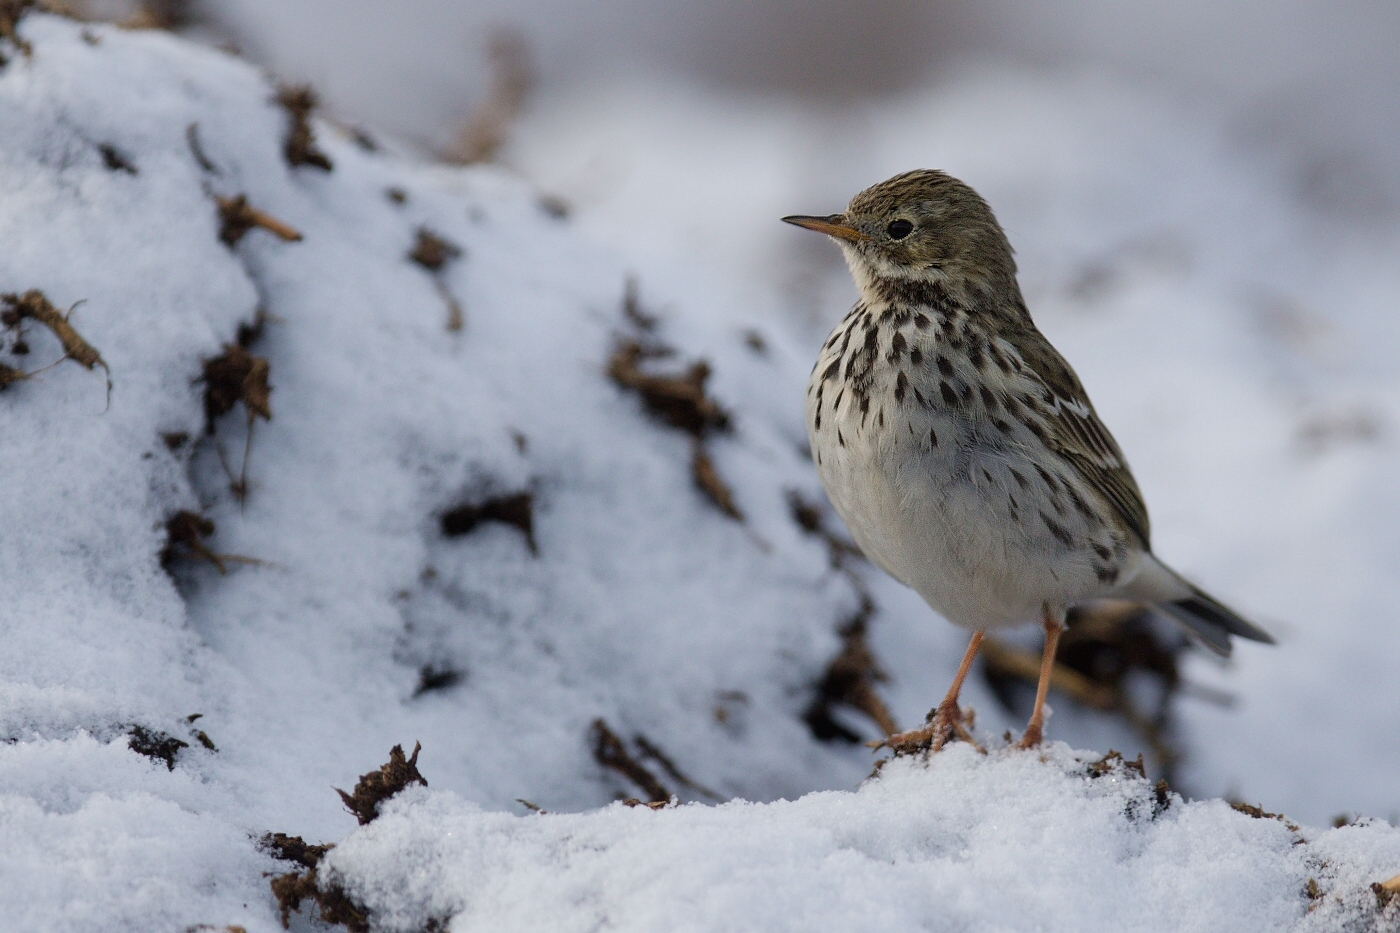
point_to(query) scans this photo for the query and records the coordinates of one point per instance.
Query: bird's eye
(899, 229)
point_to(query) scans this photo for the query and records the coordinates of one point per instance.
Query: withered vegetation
(374, 787)
(1108, 643)
(677, 399)
(648, 750)
(300, 148)
(514, 509)
(707, 478)
(433, 252)
(11, 12)
(197, 150)
(33, 305)
(333, 905)
(237, 217)
(432, 677)
(236, 376)
(185, 532)
(200, 735)
(155, 745)
(290, 889)
(9, 376)
(611, 752)
(1259, 813)
(1386, 892)
(1114, 763)
(512, 77)
(231, 377)
(115, 160)
(849, 680)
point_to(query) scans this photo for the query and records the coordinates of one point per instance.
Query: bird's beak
(835, 225)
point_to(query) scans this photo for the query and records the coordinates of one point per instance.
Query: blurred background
(1205, 201)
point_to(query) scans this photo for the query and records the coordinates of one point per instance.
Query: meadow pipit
(960, 448)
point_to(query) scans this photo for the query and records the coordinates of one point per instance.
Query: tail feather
(1200, 614)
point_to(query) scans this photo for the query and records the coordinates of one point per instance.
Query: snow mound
(1011, 841)
(458, 521)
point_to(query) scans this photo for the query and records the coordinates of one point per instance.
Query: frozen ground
(355, 623)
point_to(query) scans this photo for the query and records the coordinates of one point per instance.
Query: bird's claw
(943, 723)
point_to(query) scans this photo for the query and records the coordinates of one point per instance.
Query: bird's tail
(1199, 613)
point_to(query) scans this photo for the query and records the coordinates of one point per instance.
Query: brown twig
(375, 787)
(300, 149)
(11, 12)
(512, 77)
(610, 752)
(33, 305)
(237, 217)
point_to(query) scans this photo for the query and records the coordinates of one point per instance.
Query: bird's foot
(943, 723)
(1033, 737)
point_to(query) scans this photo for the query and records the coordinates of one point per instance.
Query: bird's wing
(1071, 428)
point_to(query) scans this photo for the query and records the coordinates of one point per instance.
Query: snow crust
(1009, 842)
(645, 606)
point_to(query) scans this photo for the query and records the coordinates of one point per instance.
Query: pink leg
(946, 720)
(1054, 626)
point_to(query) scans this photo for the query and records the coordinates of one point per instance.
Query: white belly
(953, 522)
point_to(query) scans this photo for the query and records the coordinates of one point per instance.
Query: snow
(1008, 842)
(645, 606)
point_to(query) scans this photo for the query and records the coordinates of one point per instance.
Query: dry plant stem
(1024, 665)
(454, 309)
(1054, 627)
(948, 718)
(239, 217)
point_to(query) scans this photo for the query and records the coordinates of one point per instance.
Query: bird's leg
(1054, 622)
(946, 720)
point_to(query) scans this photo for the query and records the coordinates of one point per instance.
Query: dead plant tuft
(1259, 813)
(300, 148)
(610, 752)
(702, 470)
(431, 678)
(237, 217)
(9, 376)
(197, 150)
(1386, 891)
(849, 680)
(168, 15)
(515, 509)
(155, 745)
(648, 749)
(35, 306)
(115, 160)
(512, 77)
(1114, 761)
(375, 787)
(11, 12)
(632, 307)
(231, 377)
(185, 532)
(678, 399)
(293, 849)
(332, 904)
(432, 251)
(236, 376)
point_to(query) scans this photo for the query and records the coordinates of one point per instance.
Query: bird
(960, 448)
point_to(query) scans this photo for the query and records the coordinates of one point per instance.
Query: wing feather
(1072, 430)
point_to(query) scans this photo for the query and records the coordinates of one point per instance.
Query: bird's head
(923, 226)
